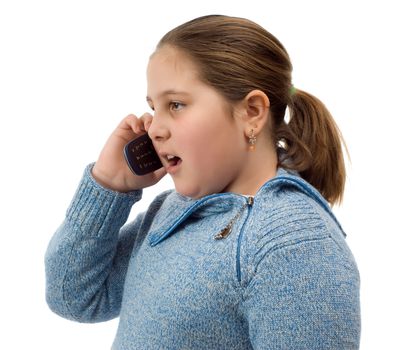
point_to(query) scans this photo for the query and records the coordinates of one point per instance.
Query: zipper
(224, 233)
(250, 202)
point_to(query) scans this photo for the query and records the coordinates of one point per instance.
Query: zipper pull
(224, 232)
(227, 229)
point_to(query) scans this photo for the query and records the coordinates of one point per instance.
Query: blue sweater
(225, 271)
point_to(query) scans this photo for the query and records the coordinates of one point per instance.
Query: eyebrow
(168, 92)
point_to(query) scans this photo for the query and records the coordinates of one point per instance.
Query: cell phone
(141, 156)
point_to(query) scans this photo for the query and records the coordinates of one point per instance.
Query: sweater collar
(180, 207)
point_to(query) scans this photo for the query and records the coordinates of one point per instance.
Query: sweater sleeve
(87, 258)
(304, 296)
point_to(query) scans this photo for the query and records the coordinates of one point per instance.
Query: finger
(125, 123)
(135, 124)
(147, 119)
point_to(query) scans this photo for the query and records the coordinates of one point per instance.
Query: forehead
(170, 68)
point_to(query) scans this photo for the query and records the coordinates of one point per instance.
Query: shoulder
(288, 216)
(291, 225)
(289, 209)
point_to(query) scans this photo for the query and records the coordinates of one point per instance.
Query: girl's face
(193, 123)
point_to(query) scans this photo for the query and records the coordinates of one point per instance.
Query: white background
(70, 70)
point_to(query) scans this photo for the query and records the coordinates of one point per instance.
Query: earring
(252, 140)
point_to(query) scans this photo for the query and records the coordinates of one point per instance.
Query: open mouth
(173, 160)
(173, 163)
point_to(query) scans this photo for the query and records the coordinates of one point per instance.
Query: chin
(194, 192)
(189, 191)
(189, 194)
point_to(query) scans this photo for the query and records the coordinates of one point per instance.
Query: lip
(170, 169)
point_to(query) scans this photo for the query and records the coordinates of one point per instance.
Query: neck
(263, 167)
(260, 166)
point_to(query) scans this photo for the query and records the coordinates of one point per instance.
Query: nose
(158, 130)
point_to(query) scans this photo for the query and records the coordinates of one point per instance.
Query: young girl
(245, 253)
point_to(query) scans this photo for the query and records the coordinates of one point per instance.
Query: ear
(254, 109)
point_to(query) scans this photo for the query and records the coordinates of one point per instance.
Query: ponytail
(313, 145)
(235, 56)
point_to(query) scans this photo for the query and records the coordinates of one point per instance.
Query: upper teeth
(170, 157)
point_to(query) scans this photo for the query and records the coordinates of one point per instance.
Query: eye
(176, 106)
(150, 103)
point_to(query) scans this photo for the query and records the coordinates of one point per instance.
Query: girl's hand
(111, 169)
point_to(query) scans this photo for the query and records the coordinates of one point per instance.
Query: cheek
(210, 151)
(197, 146)
(206, 140)
(196, 134)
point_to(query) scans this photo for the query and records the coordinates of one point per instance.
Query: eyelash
(173, 105)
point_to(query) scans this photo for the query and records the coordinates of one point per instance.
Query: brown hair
(236, 56)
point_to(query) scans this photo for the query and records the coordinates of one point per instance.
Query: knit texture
(284, 277)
